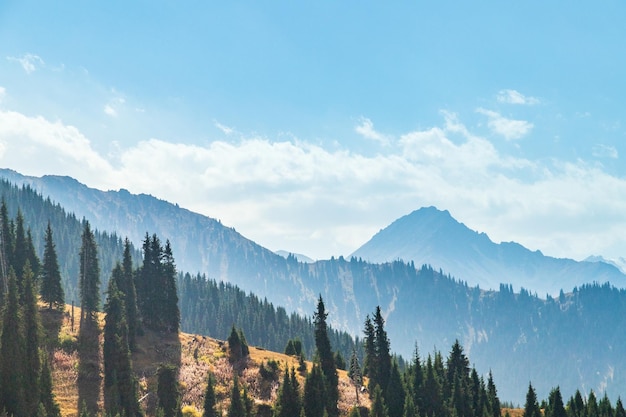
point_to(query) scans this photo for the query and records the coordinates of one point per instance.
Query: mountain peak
(432, 236)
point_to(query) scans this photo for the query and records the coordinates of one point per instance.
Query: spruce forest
(139, 337)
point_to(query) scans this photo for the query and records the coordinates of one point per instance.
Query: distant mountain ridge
(574, 340)
(431, 236)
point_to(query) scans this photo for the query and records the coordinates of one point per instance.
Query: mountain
(619, 263)
(299, 257)
(575, 340)
(433, 237)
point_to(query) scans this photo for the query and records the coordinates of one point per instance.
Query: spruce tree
(531, 407)
(410, 410)
(355, 374)
(210, 401)
(32, 332)
(370, 365)
(314, 393)
(119, 383)
(383, 355)
(395, 397)
(378, 407)
(46, 397)
(167, 391)
(51, 288)
(12, 361)
(492, 398)
(288, 402)
(619, 408)
(170, 311)
(326, 359)
(89, 275)
(417, 379)
(236, 407)
(127, 287)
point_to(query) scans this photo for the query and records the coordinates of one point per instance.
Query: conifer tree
(395, 397)
(46, 397)
(355, 374)
(288, 402)
(326, 359)
(120, 392)
(170, 312)
(492, 398)
(12, 361)
(531, 407)
(89, 275)
(236, 407)
(417, 379)
(555, 406)
(32, 332)
(378, 407)
(6, 248)
(619, 408)
(432, 394)
(410, 410)
(51, 288)
(314, 393)
(370, 365)
(31, 256)
(210, 402)
(167, 391)
(20, 252)
(592, 405)
(127, 287)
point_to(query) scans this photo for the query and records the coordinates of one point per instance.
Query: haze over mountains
(434, 237)
(574, 340)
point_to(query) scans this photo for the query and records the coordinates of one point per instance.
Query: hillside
(431, 236)
(197, 355)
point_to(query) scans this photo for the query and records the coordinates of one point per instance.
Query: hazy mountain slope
(431, 236)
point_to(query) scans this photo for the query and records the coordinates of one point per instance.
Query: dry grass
(196, 356)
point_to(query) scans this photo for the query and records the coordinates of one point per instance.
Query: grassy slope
(197, 356)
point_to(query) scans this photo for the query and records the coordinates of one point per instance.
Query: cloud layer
(295, 195)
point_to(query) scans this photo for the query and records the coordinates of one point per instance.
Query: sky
(310, 126)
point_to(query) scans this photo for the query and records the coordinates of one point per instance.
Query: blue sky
(308, 127)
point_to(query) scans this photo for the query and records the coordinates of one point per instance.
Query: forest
(143, 293)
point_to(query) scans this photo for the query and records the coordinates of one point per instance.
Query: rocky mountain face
(574, 340)
(434, 237)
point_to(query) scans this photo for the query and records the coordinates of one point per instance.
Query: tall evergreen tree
(210, 401)
(31, 256)
(396, 394)
(6, 248)
(89, 276)
(417, 379)
(378, 407)
(51, 288)
(383, 355)
(32, 332)
(120, 390)
(355, 374)
(619, 408)
(46, 396)
(492, 398)
(314, 403)
(236, 408)
(127, 287)
(531, 407)
(432, 393)
(288, 402)
(167, 391)
(370, 366)
(20, 252)
(326, 359)
(410, 410)
(12, 359)
(170, 311)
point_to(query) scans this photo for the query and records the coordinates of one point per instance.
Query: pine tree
(46, 397)
(32, 331)
(12, 361)
(383, 355)
(288, 403)
(355, 374)
(20, 252)
(127, 286)
(410, 410)
(167, 391)
(370, 366)
(326, 359)
(395, 397)
(555, 406)
(314, 393)
(119, 383)
(89, 276)
(592, 405)
(417, 380)
(210, 409)
(531, 407)
(619, 408)
(432, 394)
(170, 312)
(378, 407)
(236, 407)
(51, 288)
(492, 398)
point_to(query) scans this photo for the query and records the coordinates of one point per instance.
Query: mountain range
(434, 237)
(574, 340)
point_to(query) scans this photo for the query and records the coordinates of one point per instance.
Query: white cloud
(299, 196)
(3, 93)
(509, 128)
(29, 62)
(605, 151)
(366, 129)
(110, 111)
(225, 129)
(515, 97)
